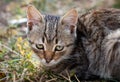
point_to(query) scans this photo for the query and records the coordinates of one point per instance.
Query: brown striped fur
(100, 36)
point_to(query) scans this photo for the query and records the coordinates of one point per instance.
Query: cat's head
(51, 37)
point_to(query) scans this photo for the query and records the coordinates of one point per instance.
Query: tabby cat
(87, 44)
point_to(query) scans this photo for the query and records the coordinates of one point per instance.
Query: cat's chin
(50, 64)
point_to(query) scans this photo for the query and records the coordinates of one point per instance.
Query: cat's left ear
(70, 19)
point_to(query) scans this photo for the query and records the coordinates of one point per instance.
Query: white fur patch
(114, 35)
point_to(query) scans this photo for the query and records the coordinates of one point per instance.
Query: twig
(41, 78)
(14, 77)
(77, 79)
(54, 79)
(68, 76)
(3, 78)
(23, 73)
(64, 77)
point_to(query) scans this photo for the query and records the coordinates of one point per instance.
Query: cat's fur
(94, 51)
(52, 31)
(99, 31)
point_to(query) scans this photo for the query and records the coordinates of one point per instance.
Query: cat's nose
(48, 60)
(48, 56)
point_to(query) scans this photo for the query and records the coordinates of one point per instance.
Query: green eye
(59, 48)
(40, 46)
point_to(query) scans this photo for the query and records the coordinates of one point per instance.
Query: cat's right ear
(33, 16)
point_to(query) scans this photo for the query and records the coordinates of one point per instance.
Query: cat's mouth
(51, 63)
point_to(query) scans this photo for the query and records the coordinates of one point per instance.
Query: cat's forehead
(51, 26)
(52, 18)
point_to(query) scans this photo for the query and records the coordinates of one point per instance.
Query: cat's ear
(70, 17)
(70, 20)
(33, 17)
(33, 14)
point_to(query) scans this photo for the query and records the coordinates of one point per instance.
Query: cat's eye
(59, 48)
(40, 46)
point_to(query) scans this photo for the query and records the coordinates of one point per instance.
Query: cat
(87, 44)
(99, 31)
(54, 40)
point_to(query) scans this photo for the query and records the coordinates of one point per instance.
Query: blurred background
(16, 59)
(13, 12)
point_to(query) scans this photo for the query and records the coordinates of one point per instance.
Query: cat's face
(51, 37)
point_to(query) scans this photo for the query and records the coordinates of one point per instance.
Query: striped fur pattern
(100, 35)
(53, 39)
(50, 35)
